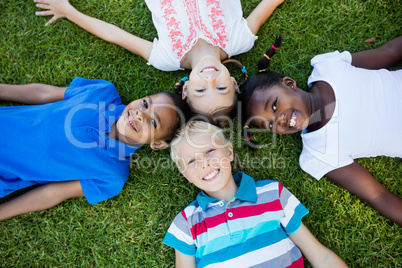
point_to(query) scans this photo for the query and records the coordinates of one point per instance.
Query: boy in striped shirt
(236, 221)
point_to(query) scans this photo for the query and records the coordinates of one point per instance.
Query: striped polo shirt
(251, 230)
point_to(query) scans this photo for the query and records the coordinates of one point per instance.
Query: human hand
(57, 8)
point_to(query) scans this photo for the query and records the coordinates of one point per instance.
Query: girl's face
(210, 87)
(280, 109)
(147, 121)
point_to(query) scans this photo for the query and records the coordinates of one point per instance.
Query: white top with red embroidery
(180, 23)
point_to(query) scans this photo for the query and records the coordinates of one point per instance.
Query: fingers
(41, 1)
(43, 6)
(44, 13)
(51, 20)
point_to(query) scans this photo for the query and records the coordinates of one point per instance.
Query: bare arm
(32, 93)
(184, 261)
(104, 30)
(261, 13)
(43, 197)
(382, 57)
(360, 182)
(316, 253)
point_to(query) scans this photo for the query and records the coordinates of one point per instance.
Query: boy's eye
(274, 106)
(145, 104)
(210, 150)
(221, 88)
(200, 90)
(191, 161)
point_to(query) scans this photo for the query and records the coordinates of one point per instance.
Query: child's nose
(282, 120)
(140, 115)
(211, 83)
(205, 162)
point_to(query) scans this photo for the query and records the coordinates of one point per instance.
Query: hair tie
(262, 70)
(274, 47)
(245, 127)
(184, 79)
(266, 56)
(248, 138)
(243, 70)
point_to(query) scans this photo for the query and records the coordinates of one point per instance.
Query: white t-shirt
(367, 120)
(180, 23)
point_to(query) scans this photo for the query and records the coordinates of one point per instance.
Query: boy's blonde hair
(192, 128)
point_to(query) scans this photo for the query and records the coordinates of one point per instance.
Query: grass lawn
(127, 230)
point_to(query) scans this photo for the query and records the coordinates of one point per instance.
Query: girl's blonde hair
(193, 128)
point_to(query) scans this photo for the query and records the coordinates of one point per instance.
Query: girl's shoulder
(344, 56)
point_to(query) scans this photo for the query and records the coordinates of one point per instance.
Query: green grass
(127, 230)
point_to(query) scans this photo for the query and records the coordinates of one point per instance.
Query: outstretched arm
(43, 197)
(317, 254)
(184, 261)
(360, 182)
(261, 13)
(382, 57)
(31, 93)
(104, 30)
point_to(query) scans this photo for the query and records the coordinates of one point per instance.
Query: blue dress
(66, 140)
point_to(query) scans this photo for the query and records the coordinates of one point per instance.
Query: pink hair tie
(274, 47)
(248, 138)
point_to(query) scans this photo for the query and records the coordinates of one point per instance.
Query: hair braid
(263, 63)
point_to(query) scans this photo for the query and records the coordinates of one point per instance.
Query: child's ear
(159, 145)
(235, 85)
(184, 91)
(289, 82)
(230, 152)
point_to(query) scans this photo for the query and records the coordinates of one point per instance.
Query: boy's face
(210, 87)
(280, 110)
(147, 121)
(206, 164)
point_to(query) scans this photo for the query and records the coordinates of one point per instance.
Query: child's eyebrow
(158, 120)
(266, 105)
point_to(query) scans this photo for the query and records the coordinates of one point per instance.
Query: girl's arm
(43, 197)
(317, 254)
(382, 57)
(104, 30)
(32, 93)
(360, 182)
(184, 261)
(261, 13)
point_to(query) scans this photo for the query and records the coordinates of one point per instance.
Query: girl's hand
(57, 8)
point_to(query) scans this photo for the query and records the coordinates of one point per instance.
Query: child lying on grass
(352, 111)
(236, 221)
(76, 141)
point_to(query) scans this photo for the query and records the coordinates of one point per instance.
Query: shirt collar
(246, 192)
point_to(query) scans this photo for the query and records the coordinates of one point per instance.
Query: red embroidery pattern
(194, 25)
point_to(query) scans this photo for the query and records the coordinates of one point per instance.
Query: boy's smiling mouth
(211, 175)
